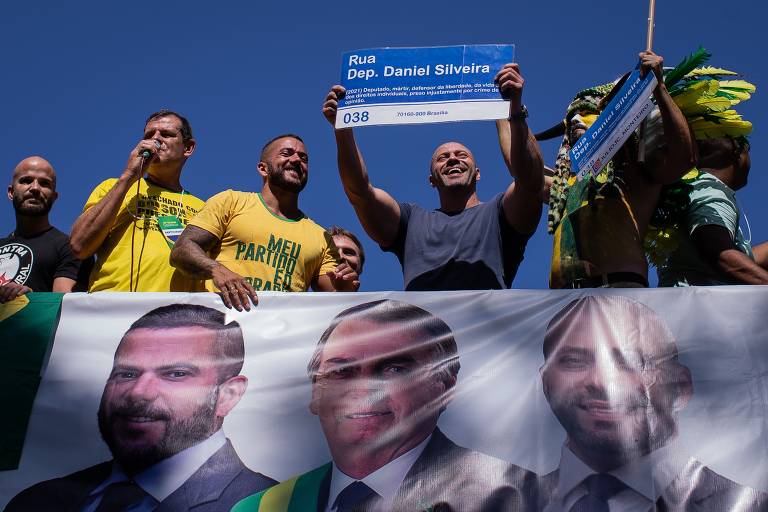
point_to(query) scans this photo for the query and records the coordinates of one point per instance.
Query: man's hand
(378, 212)
(760, 252)
(11, 290)
(344, 278)
(521, 153)
(190, 255)
(649, 61)
(510, 83)
(331, 104)
(234, 289)
(677, 156)
(136, 165)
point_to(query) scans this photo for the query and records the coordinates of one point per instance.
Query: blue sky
(80, 78)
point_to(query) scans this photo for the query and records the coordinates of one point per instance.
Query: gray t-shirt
(713, 203)
(474, 249)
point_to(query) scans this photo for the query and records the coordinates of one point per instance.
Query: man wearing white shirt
(613, 379)
(382, 373)
(176, 375)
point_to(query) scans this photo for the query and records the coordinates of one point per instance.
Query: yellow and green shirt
(135, 254)
(598, 230)
(269, 251)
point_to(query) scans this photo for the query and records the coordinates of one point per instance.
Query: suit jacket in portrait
(696, 489)
(216, 486)
(445, 477)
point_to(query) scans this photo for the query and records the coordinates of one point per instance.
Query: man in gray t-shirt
(465, 244)
(473, 249)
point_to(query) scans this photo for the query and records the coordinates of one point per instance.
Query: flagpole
(648, 47)
(651, 17)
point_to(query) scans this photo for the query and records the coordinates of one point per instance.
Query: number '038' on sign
(356, 117)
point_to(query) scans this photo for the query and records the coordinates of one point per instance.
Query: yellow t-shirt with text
(270, 252)
(134, 256)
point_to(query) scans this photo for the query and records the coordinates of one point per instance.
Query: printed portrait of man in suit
(382, 373)
(175, 377)
(614, 381)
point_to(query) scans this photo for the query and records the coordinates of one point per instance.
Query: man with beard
(35, 256)
(382, 373)
(242, 242)
(613, 379)
(176, 376)
(130, 222)
(465, 244)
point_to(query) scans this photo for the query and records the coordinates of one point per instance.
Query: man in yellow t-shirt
(241, 242)
(131, 222)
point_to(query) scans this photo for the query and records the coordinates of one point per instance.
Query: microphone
(147, 154)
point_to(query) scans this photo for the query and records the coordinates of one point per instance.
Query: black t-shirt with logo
(36, 261)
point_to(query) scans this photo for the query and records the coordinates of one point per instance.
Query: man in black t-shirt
(465, 244)
(35, 256)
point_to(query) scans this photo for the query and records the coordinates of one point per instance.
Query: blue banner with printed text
(422, 85)
(622, 116)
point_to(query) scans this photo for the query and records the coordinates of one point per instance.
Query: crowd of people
(142, 231)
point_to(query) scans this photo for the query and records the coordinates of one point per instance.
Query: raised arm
(716, 247)
(92, 226)
(190, 255)
(679, 155)
(378, 212)
(522, 156)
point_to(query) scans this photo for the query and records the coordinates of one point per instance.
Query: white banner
(664, 389)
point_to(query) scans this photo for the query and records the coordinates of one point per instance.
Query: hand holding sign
(510, 83)
(651, 61)
(331, 104)
(618, 120)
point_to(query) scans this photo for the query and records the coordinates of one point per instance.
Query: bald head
(33, 188)
(453, 167)
(35, 163)
(450, 146)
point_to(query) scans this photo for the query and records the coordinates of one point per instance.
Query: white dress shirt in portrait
(646, 479)
(385, 481)
(162, 479)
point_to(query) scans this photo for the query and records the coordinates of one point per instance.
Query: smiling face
(33, 187)
(162, 395)
(286, 165)
(453, 166)
(349, 252)
(376, 391)
(612, 379)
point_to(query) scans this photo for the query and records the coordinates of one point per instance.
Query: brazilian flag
(299, 494)
(27, 326)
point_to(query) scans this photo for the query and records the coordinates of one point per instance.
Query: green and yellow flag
(27, 326)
